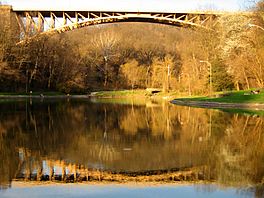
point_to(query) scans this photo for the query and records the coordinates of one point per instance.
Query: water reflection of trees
(241, 152)
(135, 137)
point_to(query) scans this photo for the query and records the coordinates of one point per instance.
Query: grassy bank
(139, 93)
(248, 99)
(231, 97)
(241, 97)
(116, 94)
(119, 93)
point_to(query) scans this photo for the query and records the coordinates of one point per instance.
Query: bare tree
(106, 43)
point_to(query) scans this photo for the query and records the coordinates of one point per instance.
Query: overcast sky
(129, 5)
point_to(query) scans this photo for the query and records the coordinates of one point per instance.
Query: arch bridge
(33, 22)
(42, 19)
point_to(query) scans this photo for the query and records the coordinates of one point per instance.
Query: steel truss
(32, 23)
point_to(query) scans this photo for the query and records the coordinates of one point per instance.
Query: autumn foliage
(138, 55)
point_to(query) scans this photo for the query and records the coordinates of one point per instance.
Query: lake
(128, 148)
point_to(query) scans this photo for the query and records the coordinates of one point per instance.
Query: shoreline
(217, 105)
(89, 96)
(42, 97)
(169, 98)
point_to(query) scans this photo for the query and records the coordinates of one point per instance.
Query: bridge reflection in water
(130, 141)
(31, 169)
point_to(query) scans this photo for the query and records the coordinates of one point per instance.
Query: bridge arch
(32, 23)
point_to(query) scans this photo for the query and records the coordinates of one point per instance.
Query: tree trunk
(50, 75)
(105, 73)
(237, 86)
(33, 72)
(246, 78)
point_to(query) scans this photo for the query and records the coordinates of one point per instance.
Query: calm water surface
(58, 139)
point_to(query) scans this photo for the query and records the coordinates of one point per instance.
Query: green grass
(119, 93)
(123, 101)
(231, 97)
(132, 93)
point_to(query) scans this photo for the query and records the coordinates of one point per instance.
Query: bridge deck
(154, 6)
(36, 18)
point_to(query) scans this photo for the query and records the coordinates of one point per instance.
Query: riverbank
(40, 95)
(141, 93)
(249, 99)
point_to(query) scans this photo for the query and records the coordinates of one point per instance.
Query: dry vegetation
(138, 55)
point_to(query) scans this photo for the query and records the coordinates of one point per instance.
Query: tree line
(138, 55)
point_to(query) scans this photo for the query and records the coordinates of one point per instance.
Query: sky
(132, 5)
